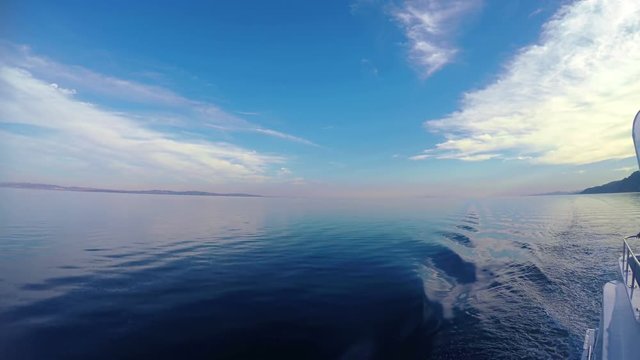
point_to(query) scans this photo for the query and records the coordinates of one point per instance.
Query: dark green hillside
(628, 184)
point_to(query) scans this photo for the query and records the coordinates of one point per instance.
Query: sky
(326, 98)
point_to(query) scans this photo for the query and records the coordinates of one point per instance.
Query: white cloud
(114, 145)
(568, 99)
(429, 25)
(427, 154)
(189, 112)
(63, 90)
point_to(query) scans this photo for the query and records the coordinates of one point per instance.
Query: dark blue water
(106, 276)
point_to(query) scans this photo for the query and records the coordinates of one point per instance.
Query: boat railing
(630, 268)
(630, 264)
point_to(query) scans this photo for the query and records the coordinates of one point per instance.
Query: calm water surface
(106, 276)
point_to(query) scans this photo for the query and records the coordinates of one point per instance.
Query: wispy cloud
(88, 80)
(282, 135)
(369, 67)
(568, 99)
(188, 111)
(536, 12)
(248, 113)
(627, 169)
(96, 141)
(430, 26)
(263, 131)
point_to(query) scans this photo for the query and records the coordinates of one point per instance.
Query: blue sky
(329, 98)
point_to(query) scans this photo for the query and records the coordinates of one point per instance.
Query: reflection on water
(137, 276)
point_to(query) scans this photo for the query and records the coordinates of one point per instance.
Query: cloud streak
(101, 144)
(189, 112)
(568, 99)
(429, 26)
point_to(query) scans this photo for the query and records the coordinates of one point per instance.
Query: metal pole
(625, 258)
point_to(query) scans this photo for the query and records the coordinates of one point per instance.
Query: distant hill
(88, 189)
(629, 184)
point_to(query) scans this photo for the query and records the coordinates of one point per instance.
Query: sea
(126, 276)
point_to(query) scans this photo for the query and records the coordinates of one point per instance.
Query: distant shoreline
(630, 184)
(50, 187)
(557, 193)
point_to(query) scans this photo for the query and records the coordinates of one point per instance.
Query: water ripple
(286, 278)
